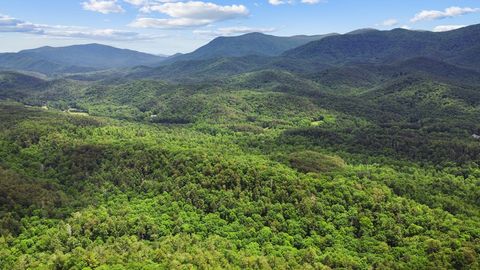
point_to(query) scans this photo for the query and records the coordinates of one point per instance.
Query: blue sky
(170, 26)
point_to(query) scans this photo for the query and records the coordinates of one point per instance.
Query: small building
(476, 137)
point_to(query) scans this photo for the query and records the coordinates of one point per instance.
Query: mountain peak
(254, 43)
(362, 31)
(255, 34)
(76, 58)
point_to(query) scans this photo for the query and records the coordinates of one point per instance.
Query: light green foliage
(358, 167)
(82, 192)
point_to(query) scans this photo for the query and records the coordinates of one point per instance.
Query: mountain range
(456, 49)
(354, 151)
(75, 59)
(247, 45)
(97, 57)
(225, 56)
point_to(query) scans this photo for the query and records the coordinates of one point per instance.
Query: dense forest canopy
(248, 161)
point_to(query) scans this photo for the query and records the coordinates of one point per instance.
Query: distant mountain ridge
(449, 53)
(76, 58)
(438, 51)
(460, 47)
(247, 45)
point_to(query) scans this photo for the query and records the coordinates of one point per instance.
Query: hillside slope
(455, 46)
(246, 45)
(74, 59)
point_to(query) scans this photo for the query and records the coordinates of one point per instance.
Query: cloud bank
(13, 25)
(187, 14)
(103, 6)
(429, 15)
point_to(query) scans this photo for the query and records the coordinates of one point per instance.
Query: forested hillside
(249, 162)
(75, 59)
(246, 45)
(383, 46)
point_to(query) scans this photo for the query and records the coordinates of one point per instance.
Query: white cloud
(136, 2)
(428, 15)
(103, 6)
(12, 25)
(98, 34)
(140, 3)
(232, 31)
(198, 10)
(188, 14)
(389, 22)
(279, 2)
(9, 24)
(168, 23)
(444, 28)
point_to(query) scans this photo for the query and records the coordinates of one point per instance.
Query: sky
(172, 26)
